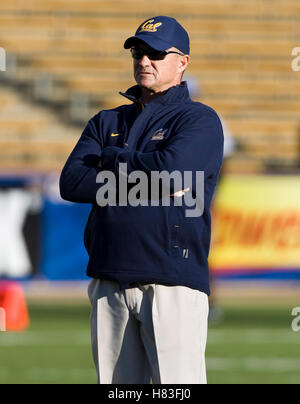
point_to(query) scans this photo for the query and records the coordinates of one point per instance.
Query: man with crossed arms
(149, 264)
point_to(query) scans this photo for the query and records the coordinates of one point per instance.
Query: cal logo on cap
(149, 26)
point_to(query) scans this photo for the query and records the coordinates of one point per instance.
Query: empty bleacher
(31, 138)
(66, 53)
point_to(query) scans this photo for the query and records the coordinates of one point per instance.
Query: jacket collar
(174, 95)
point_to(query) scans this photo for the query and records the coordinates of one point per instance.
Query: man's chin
(146, 83)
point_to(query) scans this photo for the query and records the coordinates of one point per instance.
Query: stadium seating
(31, 138)
(241, 57)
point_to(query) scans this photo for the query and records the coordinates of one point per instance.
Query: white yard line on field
(39, 374)
(253, 364)
(33, 338)
(252, 336)
(215, 337)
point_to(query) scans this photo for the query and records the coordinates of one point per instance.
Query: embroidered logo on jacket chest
(159, 134)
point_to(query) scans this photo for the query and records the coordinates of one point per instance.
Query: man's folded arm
(199, 148)
(78, 178)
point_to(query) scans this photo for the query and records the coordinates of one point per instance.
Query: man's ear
(184, 61)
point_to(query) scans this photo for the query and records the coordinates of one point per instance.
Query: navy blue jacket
(155, 244)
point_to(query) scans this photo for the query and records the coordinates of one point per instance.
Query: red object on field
(12, 300)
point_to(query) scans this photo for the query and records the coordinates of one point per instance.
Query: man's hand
(181, 193)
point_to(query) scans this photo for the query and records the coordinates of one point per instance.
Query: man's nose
(145, 61)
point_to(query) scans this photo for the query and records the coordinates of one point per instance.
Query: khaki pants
(149, 331)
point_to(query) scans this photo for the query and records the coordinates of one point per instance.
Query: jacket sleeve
(196, 146)
(78, 178)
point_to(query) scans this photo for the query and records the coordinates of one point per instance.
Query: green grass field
(251, 345)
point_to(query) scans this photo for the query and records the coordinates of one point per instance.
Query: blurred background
(63, 61)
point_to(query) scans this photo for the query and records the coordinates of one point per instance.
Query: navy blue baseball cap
(161, 33)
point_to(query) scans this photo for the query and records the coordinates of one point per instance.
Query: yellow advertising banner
(256, 224)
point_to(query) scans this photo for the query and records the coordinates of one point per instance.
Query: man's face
(158, 75)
